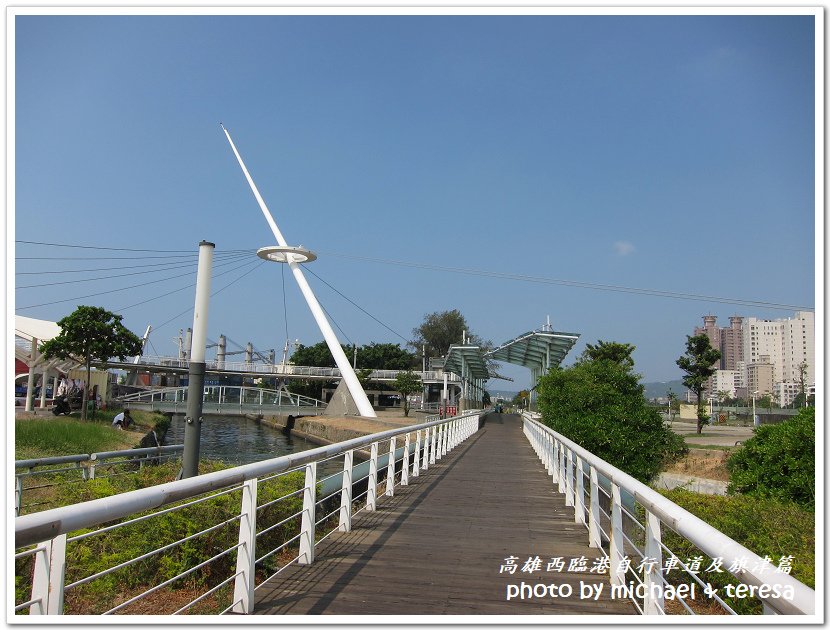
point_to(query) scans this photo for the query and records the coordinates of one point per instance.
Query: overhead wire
(353, 303)
(579, 284)
(83, 297)
(218, 291)
(123, 249)
(190, 264)
(160, 264)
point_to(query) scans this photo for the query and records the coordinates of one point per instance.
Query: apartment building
(757, 354)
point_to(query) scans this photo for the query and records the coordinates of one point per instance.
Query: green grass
(58, 436)
(53, 436)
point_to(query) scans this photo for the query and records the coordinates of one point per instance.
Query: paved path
(437, 546)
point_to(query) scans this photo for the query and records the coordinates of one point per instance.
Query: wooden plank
(438, 545)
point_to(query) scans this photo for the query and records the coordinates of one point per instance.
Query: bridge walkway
(438, 545)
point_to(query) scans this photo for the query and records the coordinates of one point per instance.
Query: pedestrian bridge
(226, 400)
(481, 514)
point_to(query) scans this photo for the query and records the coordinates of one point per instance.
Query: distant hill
(661, 390)
(652, 390)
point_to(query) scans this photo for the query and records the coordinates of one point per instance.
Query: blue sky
(662, 152)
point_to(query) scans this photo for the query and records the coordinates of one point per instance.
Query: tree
(779, 461)
(802, 380)
(600, 405)
(609, 351)
(674, 405)
(441, 330)
(91, 334)
(317, 355)
(698, 363)
(406, 383)
(385, 356)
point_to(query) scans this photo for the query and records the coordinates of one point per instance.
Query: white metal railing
(222, 397)
(588, 482)
(49, 472)
(281, 521)
(288, 369)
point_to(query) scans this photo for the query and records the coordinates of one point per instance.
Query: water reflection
(236, 440)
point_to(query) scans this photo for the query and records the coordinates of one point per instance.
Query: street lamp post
(755, 421)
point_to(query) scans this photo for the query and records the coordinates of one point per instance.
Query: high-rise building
(797, 347)
(762, 337)
(784, 344)
(711, 330)
(732, 343)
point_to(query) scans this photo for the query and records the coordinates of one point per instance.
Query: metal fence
(626, 520)
(283, 517)
(32, 475)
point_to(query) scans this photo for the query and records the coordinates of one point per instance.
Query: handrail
(42, 526)
(288, 369)
(711, 541)
(261, 397)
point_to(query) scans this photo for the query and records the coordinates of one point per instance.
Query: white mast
(293, 260)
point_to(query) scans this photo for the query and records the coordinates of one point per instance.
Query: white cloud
(624, 248)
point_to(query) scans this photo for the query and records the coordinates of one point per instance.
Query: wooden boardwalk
(437, 546)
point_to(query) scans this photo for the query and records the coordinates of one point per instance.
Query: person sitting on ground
(122, 420)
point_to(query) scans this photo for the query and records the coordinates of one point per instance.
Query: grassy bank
(51, 436)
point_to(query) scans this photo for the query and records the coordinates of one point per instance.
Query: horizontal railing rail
(288, 369)
(219, 397)
(588, 482)
(293, 514)
(83, 469)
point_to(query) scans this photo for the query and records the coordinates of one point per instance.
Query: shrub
(778, 462)
(766, 527)
(599, 404)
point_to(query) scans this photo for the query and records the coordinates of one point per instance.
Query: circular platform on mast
(278, 253)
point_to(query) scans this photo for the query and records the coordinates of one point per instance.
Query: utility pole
(196, 370)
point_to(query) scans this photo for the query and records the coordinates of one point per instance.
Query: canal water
(236, 440)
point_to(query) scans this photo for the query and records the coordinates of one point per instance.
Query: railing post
(445, 441)
(569, 478)
(346, 493)
(555, 447)
(405, 462)
(432, 445)
(615, 553)
(390, 470)
(654, 603)
(425, 454)
(48, 578)
(308, 519)
(18, 494)
(579, 497)
(372, 490)
(561, 480)
(594, 539)
(416, 461)
(243, 589)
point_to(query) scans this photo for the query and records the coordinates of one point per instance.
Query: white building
(763, 337)
(798, 346)
(787, 342)
(785, 393)
(724, 381)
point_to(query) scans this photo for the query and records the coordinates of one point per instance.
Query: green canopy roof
(536, 350)
(472, 357)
